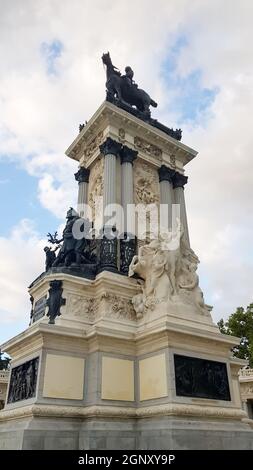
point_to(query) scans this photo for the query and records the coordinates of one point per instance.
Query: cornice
(109, 114)
(107, 411)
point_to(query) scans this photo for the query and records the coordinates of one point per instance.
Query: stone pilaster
(82, 176)
(179, 181)
(166, 193)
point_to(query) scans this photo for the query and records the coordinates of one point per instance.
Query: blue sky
(50, 52)
(198, 68)
(19, 191)
(192, 100)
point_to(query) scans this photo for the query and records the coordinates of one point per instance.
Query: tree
(240, 324)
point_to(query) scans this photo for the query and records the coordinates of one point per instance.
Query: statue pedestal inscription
(117, 361)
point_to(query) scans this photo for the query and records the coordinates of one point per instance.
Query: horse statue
(123, 88)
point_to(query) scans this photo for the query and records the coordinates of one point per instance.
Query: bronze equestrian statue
(124, 89)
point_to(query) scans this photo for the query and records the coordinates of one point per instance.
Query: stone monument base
(101, 378)
(164, 432)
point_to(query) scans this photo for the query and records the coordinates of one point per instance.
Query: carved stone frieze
(83, 307)
(148, 148)
(106, 305)
(118, 307)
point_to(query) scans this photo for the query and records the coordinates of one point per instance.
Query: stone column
(110, 149)
(179, 181)
(109, 246)
(166, 193)
(128, 243)
(82, 176)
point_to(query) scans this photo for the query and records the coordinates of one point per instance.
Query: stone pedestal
(107, 380)
(130, 363)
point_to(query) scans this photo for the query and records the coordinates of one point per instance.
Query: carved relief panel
(106, 305)
(23, 381)
(96, 183)
(146, 192)
(146, 183)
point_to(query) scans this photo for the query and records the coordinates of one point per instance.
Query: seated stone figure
(169, 274)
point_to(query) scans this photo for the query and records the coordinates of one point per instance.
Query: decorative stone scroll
(23, 381)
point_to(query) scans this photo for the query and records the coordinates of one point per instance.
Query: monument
(121, 351)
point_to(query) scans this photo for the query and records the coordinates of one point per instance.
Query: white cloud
(22, 261)
(40, 113)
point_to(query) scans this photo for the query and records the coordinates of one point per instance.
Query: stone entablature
(153, 145)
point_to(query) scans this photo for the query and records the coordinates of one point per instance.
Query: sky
(194, 59)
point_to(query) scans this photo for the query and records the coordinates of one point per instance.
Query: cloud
(22, 261)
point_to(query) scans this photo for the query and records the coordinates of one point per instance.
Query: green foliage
(240, 324)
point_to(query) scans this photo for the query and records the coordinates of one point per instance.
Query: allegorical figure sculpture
(50, 256)
(168, 269)
(124, 88)
(73, 251)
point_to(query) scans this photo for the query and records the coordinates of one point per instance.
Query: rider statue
(124, 90)
(128, 77)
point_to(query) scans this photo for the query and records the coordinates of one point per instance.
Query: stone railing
(4, 376)
(246, 373)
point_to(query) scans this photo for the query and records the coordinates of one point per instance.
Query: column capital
(166, 174)
(82, 176)
(179, 180)
(110, 146)
(127, 154)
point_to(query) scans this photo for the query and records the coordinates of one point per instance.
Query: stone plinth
(107, 380)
